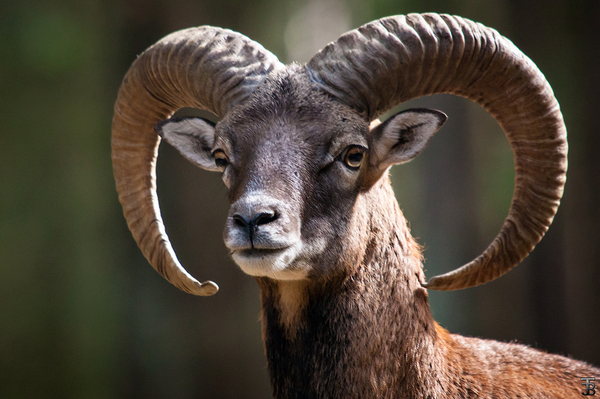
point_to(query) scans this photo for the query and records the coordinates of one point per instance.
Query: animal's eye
(221, 160)
(354, 156)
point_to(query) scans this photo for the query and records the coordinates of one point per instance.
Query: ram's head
(298, 150)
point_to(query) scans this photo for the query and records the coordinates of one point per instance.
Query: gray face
(293, 175)
(296, 164)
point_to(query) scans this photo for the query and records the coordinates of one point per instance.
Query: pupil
(355, 157)
(220, 161)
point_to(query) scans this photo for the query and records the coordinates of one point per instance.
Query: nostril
(252, 223)
(240, 221)
(265, 217)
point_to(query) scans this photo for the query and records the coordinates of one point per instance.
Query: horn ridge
(205, 67)
(424, 54)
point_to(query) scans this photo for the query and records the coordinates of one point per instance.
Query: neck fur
(368, 333)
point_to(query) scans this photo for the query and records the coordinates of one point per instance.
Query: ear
(193, 137)
(403, 136)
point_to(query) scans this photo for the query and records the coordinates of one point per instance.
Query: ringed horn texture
(370, 69)
(207, 68)
(395, 59)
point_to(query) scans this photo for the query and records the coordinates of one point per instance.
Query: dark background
(83, 315)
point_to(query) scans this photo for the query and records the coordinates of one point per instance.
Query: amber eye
(221, 160)
(354, 157)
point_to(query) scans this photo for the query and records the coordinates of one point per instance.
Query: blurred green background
(82, 314)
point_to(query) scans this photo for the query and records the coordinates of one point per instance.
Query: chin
(278, 264)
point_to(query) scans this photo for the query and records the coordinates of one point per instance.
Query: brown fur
(357, 323)
(360, 326)
(370, 334)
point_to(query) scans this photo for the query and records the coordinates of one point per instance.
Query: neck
(368, 333)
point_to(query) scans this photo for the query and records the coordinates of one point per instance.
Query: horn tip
(206, 288)
(445, 283)
(433, 284)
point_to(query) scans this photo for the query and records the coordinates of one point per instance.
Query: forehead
(289, 108)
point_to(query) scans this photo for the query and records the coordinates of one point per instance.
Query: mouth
(259, 252)
(272, 262)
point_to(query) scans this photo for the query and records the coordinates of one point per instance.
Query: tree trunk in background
(200, 347)
(565, 38)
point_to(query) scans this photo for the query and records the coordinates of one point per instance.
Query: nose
(251, 223)
(255, 220)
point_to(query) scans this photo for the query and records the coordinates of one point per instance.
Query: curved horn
(208, 68)
(394, 59)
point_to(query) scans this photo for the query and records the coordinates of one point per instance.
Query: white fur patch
(275, 265)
